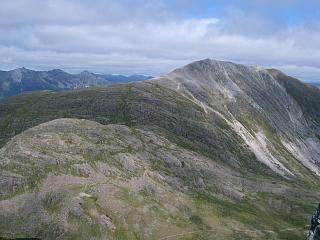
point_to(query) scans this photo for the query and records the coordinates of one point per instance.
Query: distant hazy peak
(21, 80)
(21, 69)
(17, 74)
(86, 72)
(57, 71)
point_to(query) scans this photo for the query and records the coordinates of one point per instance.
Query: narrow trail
(235, 229)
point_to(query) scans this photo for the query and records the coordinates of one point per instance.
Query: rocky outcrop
(78, 169)
(314, 231)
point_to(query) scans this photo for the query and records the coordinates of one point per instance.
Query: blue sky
(290, 11)
(156, 36)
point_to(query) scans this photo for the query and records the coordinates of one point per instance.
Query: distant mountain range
(315, 84)
(21, 80)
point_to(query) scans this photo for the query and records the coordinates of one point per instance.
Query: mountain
(212, 150)
(315, 84)
(22, 80)
(279, 104)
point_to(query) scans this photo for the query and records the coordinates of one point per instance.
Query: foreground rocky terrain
(213, 150)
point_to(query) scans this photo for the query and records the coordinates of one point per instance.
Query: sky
(156, 36)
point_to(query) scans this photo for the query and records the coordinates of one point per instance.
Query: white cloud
(148, 37)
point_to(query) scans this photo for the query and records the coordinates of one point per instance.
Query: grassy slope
(147, 104)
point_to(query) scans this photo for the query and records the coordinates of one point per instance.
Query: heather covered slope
(138, 104)
(236, 147)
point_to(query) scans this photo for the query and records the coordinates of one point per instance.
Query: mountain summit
(254, 98)
(212, 150)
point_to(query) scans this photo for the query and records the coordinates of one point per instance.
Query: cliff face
(213, 150)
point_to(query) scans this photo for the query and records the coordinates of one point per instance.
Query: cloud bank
(154, 37)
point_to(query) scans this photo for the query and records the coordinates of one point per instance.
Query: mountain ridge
(210, 150)
(22, 79)
(261, 91)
